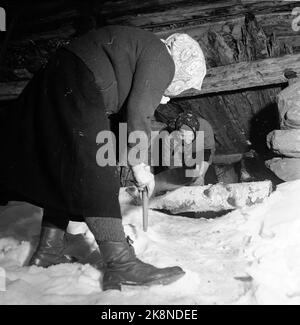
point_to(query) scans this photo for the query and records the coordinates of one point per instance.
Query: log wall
(232, 34)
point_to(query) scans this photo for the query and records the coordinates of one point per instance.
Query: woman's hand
(164, 100)
(144, 177)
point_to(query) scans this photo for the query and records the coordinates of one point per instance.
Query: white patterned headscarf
(190, 67)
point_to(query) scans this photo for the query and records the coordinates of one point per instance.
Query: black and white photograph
(149, 155)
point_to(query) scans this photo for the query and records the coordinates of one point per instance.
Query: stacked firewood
(286, 142)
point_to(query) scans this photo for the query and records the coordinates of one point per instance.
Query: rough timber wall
(229, 32)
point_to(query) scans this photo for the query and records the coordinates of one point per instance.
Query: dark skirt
(48, 143)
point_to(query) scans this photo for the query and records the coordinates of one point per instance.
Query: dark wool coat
(48, 138)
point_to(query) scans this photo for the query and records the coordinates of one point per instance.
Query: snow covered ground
(249, 256)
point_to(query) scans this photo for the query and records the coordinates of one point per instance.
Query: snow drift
(249, 256)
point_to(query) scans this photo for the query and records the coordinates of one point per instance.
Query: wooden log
(213, 197)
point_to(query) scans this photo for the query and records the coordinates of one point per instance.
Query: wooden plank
(231, 77)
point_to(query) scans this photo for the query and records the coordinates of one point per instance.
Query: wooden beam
(279, 23)
(247, 75)
(231, 77)
(149, 12)
(194, 11)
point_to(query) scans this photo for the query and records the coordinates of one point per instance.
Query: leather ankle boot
(123, 267)
(50, 250)
(81, 250)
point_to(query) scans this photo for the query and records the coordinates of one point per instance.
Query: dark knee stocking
(106, 229)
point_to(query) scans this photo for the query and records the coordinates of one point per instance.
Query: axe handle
(145, 209)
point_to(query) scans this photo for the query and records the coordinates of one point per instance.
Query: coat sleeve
(151, 79)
